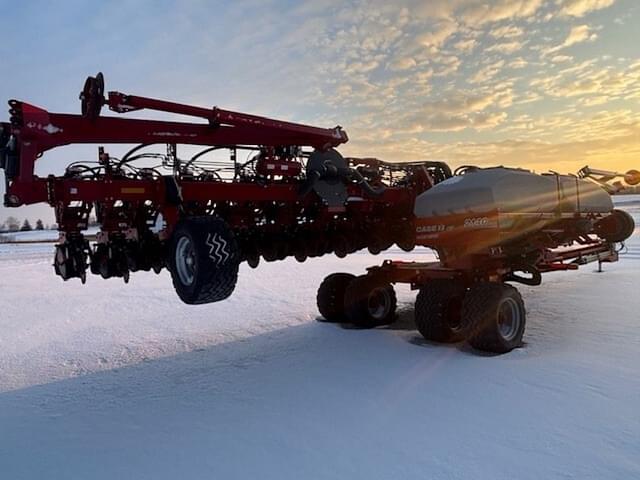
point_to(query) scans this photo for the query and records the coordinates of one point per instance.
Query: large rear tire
(438, 311)
(203, 260)
(617, 227)
(330, 298)
(370, 301)
(494, 315)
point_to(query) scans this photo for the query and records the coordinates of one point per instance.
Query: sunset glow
(538, 84)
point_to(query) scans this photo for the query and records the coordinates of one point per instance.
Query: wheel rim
(509, 319)
(379, 303)
(186, 261)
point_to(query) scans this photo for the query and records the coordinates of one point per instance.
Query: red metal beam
(304, 134)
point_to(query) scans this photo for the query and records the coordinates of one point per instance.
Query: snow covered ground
(36, 236)
(113, 381)
(31, 236)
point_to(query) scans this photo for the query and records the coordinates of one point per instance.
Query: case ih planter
(283, 190)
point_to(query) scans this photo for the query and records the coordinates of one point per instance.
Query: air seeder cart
(488, 226)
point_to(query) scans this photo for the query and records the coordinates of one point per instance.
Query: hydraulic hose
(534, 280)
(360, 180)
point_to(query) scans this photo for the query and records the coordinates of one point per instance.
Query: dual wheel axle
(490, 316)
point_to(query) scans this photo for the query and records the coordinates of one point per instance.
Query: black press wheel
(330, 298)
(203, 260)
(370, 301)
(494, 316)
(438, 311)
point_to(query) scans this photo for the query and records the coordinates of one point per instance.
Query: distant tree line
(629, 191)
(12, 224)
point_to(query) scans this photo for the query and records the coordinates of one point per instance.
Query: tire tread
(330, 297)
(216, 283)
(430, 314)
(478, 314)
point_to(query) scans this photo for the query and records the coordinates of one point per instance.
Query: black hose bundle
(329, 166)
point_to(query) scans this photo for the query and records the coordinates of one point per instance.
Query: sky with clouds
(541, 84)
